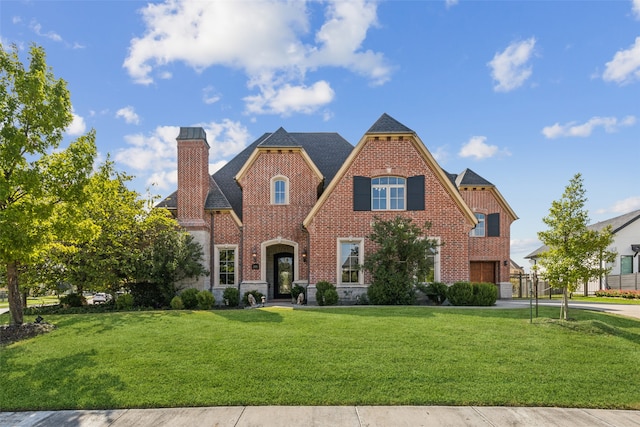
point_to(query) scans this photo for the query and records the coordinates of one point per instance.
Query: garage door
(483, 272)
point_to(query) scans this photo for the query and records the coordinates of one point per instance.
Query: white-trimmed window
(350, 257)
(433, 275)
(279, 190)
(388, 193)
(226, 265)
(478, 231)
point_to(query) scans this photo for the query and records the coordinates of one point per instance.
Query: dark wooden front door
(283, 272)
(483, 272)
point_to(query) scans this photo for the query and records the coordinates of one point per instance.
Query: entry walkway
(329, 416)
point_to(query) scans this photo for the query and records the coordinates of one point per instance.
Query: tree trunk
(15, 299)
(565, 304)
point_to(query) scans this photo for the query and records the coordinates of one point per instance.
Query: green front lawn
(34, 301)
(331, 356)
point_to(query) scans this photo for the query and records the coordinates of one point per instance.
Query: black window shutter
(493, 225)
(361, 193)
(415, 193)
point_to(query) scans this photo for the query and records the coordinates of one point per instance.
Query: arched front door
(283, 275)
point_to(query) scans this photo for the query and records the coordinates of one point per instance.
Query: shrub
(73, 300)
(124, 302)
(189, 298)
(326, 293)
(146, 294)
(460, 293)
(176, 303)
(484, 294)
(205, 300)
(437, 292)
(257, 295)
(231, 296)
(297, 290)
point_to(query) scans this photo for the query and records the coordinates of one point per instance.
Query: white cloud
(210, 95)
(274, 56)
(625, 66)
(441, 154)
(477, 148)
(573, 129)
(154, 155)
(635, 7)
(129, 115)
(450, 3)
(288, 99)
(37, 28)
(622, 206)
(510, 68)
(77, 126)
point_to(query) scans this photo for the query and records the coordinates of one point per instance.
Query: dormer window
(279, 190)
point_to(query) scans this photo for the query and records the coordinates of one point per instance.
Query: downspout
(211, 253)
(304, 229)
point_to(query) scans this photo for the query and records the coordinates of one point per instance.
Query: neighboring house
(296, 208)
(626, 243)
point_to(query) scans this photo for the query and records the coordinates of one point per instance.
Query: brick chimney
(193, 177)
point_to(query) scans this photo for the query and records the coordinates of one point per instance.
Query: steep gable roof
(327, 151)
(617, 223)
(387, 125)
(470, 179)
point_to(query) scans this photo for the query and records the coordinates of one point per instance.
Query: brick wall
(263, 221)
(336, 218)
(483, 200)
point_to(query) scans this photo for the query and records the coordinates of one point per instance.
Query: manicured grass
(331, 356)
(34, 301)
(582, 298)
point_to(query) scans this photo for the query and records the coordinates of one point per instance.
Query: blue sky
(525, 93)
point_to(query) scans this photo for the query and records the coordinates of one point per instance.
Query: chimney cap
(192, 133)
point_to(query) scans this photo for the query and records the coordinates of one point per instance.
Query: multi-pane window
(349, 261)
(279, 191)
(388, 193)
(227, 267)
(430, 277)
(626, 264)
(479, 230)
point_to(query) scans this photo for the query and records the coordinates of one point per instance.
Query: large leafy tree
(401, 260)
(40, 184)
(576, 254)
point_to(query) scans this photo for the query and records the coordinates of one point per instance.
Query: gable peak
(280, 138)
(387, 124)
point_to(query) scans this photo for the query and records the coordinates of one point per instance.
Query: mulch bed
(12, 333)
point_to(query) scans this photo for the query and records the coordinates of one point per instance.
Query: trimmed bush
(326, 293)
(484, 294)
(176, 303)
(205, 300)
(73, 300)
(189, 298)
(437, 292)
(231, 296)
(124, 302)
(460, 293)
(257, 295)
(297, 290)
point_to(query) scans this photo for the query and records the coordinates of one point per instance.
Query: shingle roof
(616, 223)
(387, 124)
(328, 151)
(469, 177)
(280, 138)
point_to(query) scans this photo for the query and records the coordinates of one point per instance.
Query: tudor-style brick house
(296, 208)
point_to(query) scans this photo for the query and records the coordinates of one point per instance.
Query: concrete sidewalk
(330, 416)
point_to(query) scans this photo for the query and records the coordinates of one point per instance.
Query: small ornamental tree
(576, 253)
(402, 259)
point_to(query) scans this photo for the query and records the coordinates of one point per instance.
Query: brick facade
(235, 209)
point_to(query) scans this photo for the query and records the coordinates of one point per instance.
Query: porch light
(304, 255)
(254, 254)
